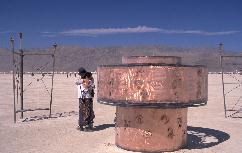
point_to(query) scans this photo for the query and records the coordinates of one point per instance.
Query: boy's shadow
(102, 127)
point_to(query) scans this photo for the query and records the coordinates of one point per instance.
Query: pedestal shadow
(199, 137)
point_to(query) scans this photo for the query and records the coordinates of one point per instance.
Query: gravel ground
(208, 130)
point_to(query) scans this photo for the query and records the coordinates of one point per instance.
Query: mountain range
(70, 58)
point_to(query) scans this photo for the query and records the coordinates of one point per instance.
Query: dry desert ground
(208, 130)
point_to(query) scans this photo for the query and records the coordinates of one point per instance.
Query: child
(92, 86)
(86, 87)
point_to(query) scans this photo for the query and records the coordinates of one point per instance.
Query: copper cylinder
(151, 81)
(150, 129)
(152, 84)
(151, 59)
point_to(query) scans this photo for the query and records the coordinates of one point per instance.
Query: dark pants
(86, 113)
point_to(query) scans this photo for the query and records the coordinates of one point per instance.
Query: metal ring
(151, 64)
(193, 103)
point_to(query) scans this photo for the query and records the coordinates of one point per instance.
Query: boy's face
(82, 75)
(85, 83)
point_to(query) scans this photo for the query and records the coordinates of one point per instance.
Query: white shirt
(83, 92)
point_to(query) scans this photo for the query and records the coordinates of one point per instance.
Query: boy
(86, 87)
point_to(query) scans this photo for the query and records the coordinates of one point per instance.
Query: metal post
(221, 52)
(14, 86)
(221, 65)
(52, 82)
(21, 72)
(221, 48)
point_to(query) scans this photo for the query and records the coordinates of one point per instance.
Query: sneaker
(80, 128)
(90, 125)
(87, 129)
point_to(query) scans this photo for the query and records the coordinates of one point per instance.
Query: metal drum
(151, 59)
(152, 94)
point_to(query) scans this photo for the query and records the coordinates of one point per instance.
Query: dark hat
(89, 74)
(81, 71)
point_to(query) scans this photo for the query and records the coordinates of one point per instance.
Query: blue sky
(181, 23)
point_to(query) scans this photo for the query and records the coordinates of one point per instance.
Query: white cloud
(221, 33)
(49, 35)
(103, 31)
(47, 32)
(6, 32)
(198, 32)
(139, 29)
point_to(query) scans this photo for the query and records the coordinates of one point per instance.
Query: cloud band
(139, 29)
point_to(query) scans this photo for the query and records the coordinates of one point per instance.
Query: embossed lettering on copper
(110, 82)
(156, 85)
(164, 119)
(139, 119)
(179, 122)
(147, 134)
(138, 84)
(184, 132)
(170, 133)
(144, 94)
(126, 124)
(139, 72)
(124, 91)
(123, 83)
(199, 92)
(199, 72)
(122, 77)
(119, 73)
(174, 84)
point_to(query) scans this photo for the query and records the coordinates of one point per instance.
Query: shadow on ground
(44, 117)
(199, 137)
(103, 126)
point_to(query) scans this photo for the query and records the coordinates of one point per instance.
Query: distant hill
(70, 58)
(5, 60)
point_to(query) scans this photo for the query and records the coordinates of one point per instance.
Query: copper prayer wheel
(151, 59)
(152, 94)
